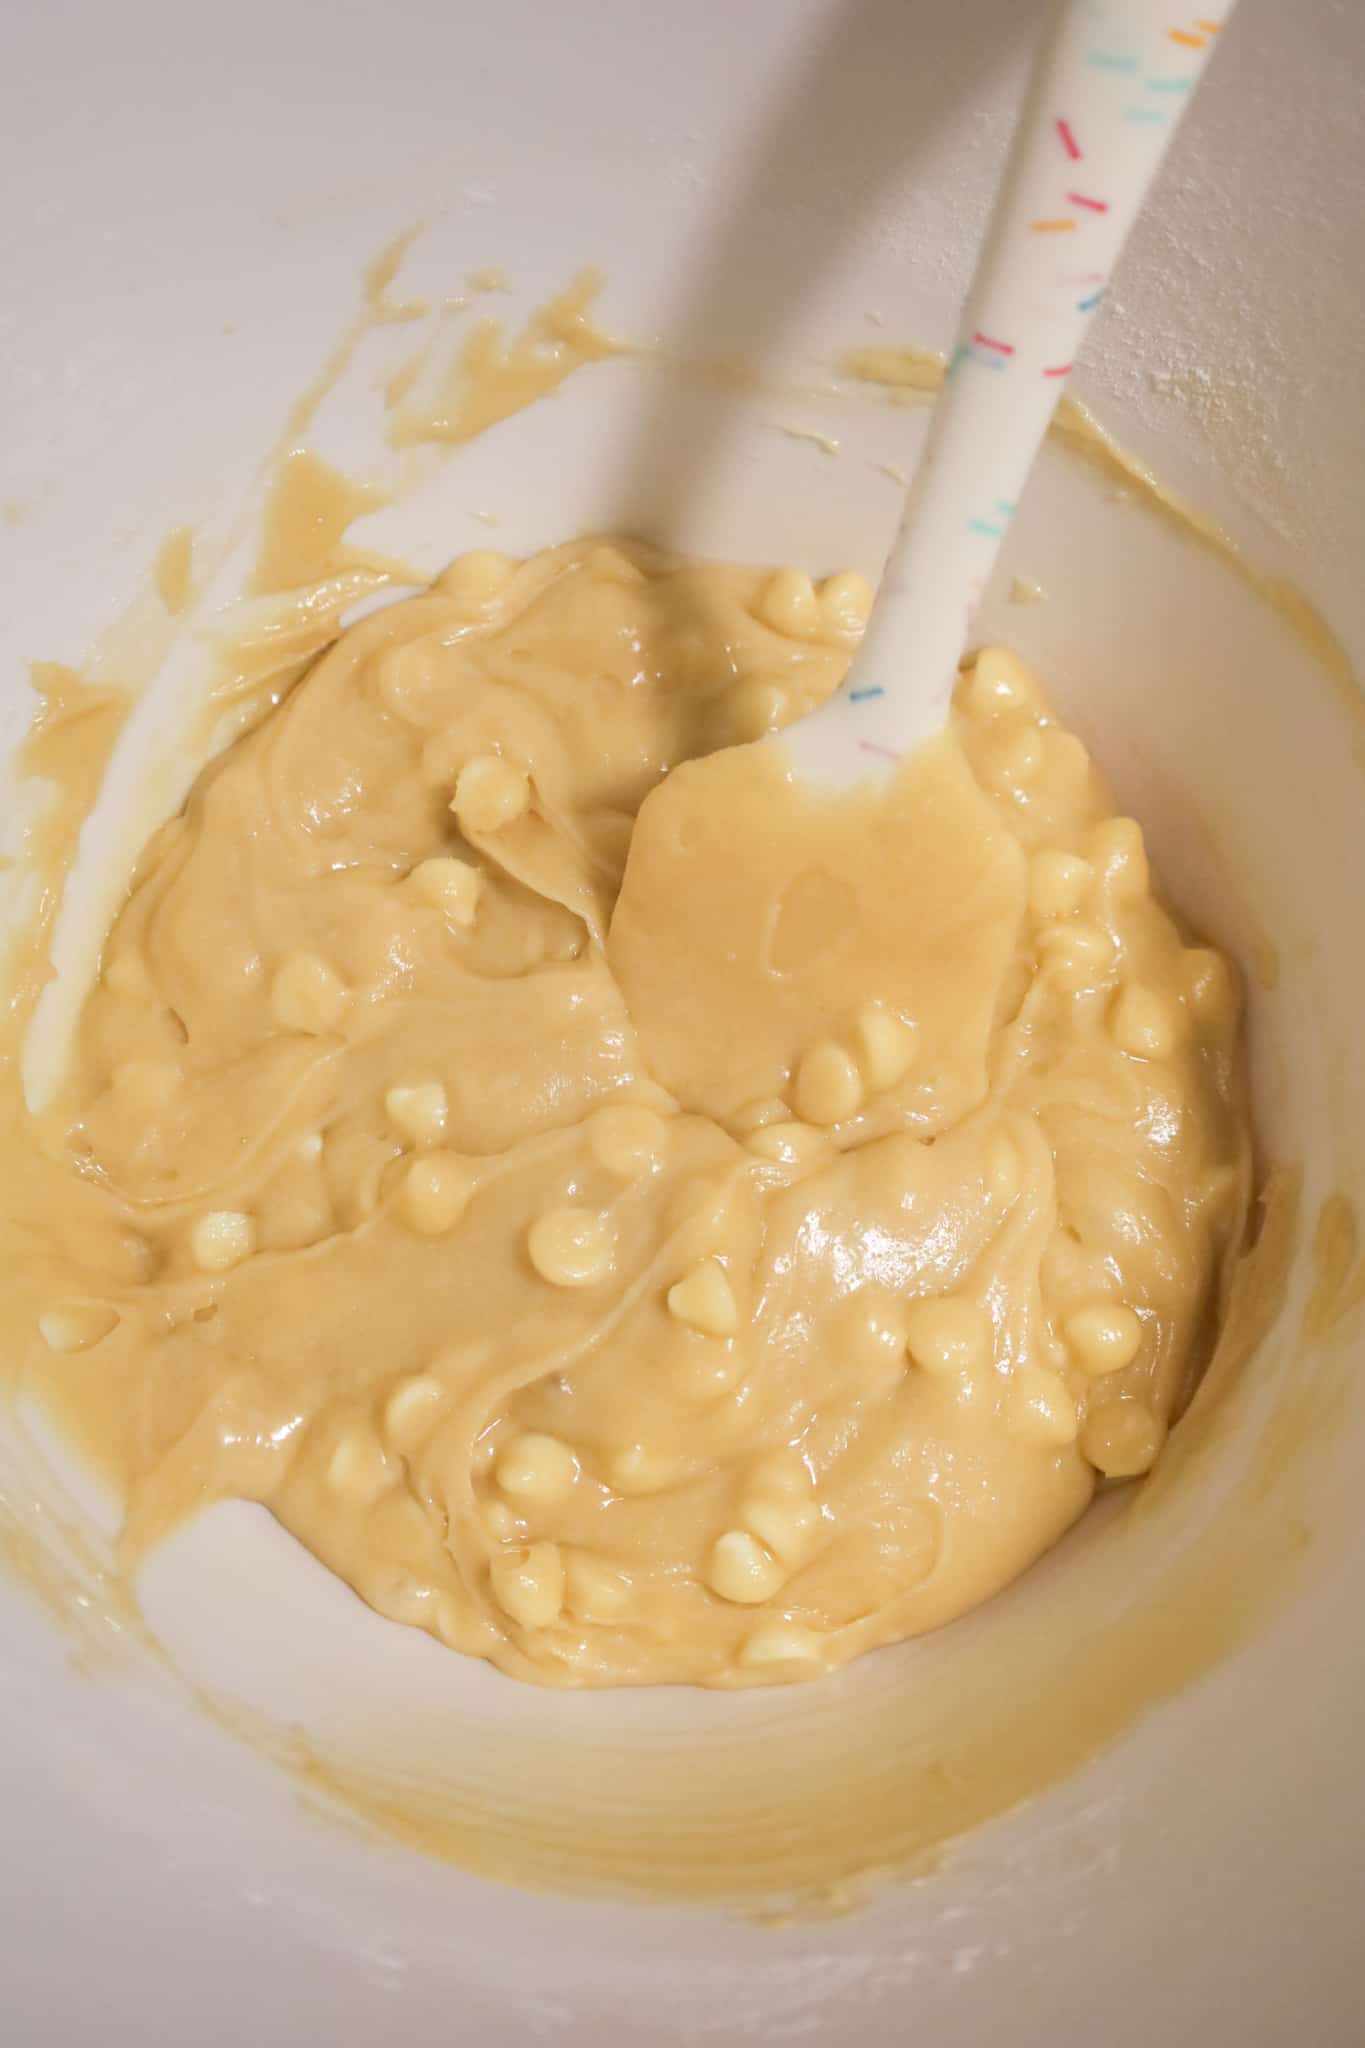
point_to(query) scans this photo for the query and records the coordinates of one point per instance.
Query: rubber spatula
(839, 862)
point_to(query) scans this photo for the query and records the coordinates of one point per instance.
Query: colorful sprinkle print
(994, 527)
(1069, 142)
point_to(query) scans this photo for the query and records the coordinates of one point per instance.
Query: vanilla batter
(360, 1200)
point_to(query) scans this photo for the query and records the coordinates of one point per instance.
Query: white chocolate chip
(1003, 1170)
(783, 1474)
(756, 707)
(638, 1470)
(705, 1300)
(418, 1109)
(787, 603)
(781, 1642)
(406, 1598)
(1142, 1023)
(1068, 765)
(76, 1325)
(1058, 883)
(477, 578)
(1211, 985)
(1103, 1337)
(739, 1569)
(846, 601)
(413, 1409)
(571, 1247)
(884, 1044)
(999, 681)
(828, 1085)
(450, 886)
(499, 1520)
(874, 1338)
(609, 565)
(490, 793)
(1122, 1438)
(528, 1584)
(1116, 851)
(789, 1144)
(757, 1115)
(222, 1238)
(308, 995)
(595, 1592)
(1041, 1410)
(536, 1467)
(784, 1526)
(629, 1140)
(435, 1193)
(405, 678)
(1014, 760)
(947, 1333)
(358, 1469)
(1079, 956)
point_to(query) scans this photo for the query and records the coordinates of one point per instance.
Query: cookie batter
(360, 1201)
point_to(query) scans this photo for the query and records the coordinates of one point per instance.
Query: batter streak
(360, 1200)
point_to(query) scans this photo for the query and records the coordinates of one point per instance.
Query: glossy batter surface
(361, 1200)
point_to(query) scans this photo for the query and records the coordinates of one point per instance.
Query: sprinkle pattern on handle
(1107, 91)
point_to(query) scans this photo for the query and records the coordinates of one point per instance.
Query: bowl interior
(810, 184)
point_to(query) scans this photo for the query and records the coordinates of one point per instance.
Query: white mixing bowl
(211, 1842)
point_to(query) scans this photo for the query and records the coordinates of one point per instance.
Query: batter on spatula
(361, 1199)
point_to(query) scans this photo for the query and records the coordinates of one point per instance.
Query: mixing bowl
(1123, 1799)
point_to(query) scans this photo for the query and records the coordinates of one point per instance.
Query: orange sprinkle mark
(1185, 39)
(1210, 28)
(1052, 227)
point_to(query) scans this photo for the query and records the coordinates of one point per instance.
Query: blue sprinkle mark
(1168, 84)
(1148, 114)
(987, 357)
(1110, 60)
(1005, 505)
(1084, 305)
(857, 696)
(984, 526)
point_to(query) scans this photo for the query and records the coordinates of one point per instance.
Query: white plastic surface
(188, 199)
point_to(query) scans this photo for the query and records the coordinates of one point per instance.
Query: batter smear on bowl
(360, 1201)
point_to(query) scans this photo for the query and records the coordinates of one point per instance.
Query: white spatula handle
(1109, 86)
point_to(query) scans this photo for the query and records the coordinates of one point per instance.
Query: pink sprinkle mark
(1058, 370)
(1095, 205)
(1083, 277)
(1002, 348)
(871, 747)
(1069, 142)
